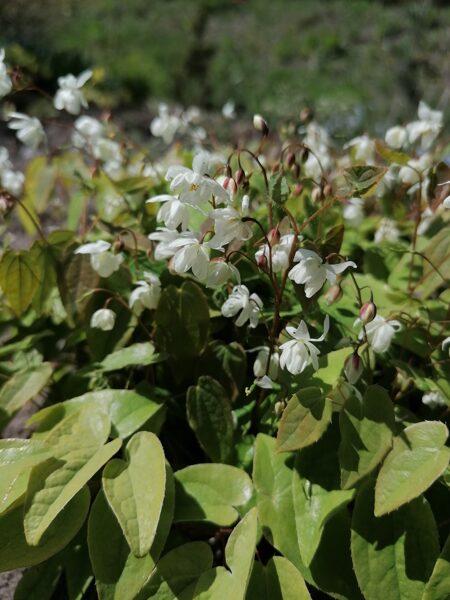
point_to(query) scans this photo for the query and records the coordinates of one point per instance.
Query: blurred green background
(358, 63)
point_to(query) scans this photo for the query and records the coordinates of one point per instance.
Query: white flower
(165, 125)
(103, 319)
(428, 126)
(5, 79)
(298, 353)
(388, 181)
(13, 181)
(147, 293)
(229, 226)
(5, 163)
(29, 129)
(87, 131)
(379, 332)
(415, 169)
(313, 272)
(262, 366)
(173, 212)
(364, 148)
(434, 400)
(104, 262)
(264, 382)
(387, 231)
(396, 137)
(426, 219)
(446, 202)
(318, 140)
(194, 185)
(280, 253)
(229, 110)
(249, 306)
(353, 212)
(191, 253)
(69, 97)
(446, 343)
(165, 237)
(220, 271)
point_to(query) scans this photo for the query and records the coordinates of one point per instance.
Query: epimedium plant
(239, 359)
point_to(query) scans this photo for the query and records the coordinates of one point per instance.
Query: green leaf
(391, 156)
(279, 580)
(182, 325)
(136, 499)
(363, 179)
(211, 492)
(23, 386)
(42, 257)
(418, 457)
(437, 266)
(210, 417)
(54, 483)
(239, 555)
(18, 279)
(272, 478)
(127, 410)
(393, 555)
(316, 493)
(438, 585)
(76, 278)
(366, 434)
(278, 188)
(137, 354)
(227, 363)
(39, 582)
(120, 575)
(304, 420)
(177, 572)
(15, 553)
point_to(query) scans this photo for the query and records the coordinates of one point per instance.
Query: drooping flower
(173, 212)
(146, 294)
(5, 79)
(396, 137)
(229, 110)
(446, 343)
(220, 271)
(241, 301)
(191, 253)
(353, 212)
(229, 226)
(434, 400)
(104, 262)
(29, 130)
(280, 253)
(387, 231)
(263, 366)
(69, 96)
(298, 353)
(103, 319)
(427, 127)
(12, 181)
(380, 332)
(195, 186)
(364, 148)
(165, 125)
(446, 202)
(312, 271)
(87, 131)
(165, 237)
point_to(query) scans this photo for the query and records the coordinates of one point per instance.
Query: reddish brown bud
(298, 189)
(353, 368)
(275, 168)
(262, 262)
(306, 115)
(290, 159)
(260, 124)
(316, 194)
(295, 170)
(230, 185)
(118, 247)
(274, 236)
(368, 311)
(334, 294)
(327, 190)
(239, 176)
(304, 155)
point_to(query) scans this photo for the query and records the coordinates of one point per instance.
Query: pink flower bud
(260, 124)
(295, 170)
(290, 159)
(239, 176)
(274, 236)
(298, 189)
(333, 294)
(367, 312)
(316, 194)
(230, 185)
(353, 368)
(262, 261)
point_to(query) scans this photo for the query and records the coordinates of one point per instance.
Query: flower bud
(333, 294)
(353, 368)
(298, 189)
(368, 311)
(327, 190)
(279, 408)
(274, 236)
(262, 262)
(239, 176)
(229, 172)
(290, 159)
(230, 185)
(260, 124)
(316, 194)
(305, 155)
(103, 319)
(118, 247)
(275, 168)
(306, 115)
(295, 170)
(6, 202)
